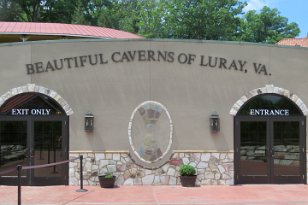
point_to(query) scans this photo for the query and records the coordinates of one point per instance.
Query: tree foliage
(207, 19)
(266, 27)
(10, 11)
(184, 19)
(144, 17)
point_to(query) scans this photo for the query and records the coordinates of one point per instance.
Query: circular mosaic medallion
(150, 133)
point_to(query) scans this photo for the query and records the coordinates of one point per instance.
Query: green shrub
(108, 175)
(187, 170)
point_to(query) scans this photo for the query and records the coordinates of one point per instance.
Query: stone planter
(106, 182)
(188, 181)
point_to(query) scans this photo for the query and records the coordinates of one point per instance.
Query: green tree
(183, 19)
(31, 9)
(130, 14)
(60, 11)
(92, 9)
(9, 11)
(78, 16)
(204, 19)
(109, 16)
(144, 17)
(188, 19)
(266, 27)
(37, 10)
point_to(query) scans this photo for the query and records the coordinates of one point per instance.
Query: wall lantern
(89, 122)
(214, 122)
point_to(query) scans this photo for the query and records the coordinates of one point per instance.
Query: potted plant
(107, 180)
(188, 175)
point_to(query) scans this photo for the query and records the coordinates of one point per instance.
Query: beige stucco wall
(190, 92)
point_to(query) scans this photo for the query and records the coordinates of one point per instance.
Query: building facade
(141, 108)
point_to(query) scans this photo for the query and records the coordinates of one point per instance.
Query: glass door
(33, 132)
(287, 152)
(14, 150)
(252, 149)
(49, 146)
(270, 150)
(270, 141)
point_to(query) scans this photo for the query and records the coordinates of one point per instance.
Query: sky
(295, 10)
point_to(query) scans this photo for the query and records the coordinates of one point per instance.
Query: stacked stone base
(212, 168)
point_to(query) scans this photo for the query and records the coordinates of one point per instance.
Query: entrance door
(270, 141)
(288, 151)
(251, 152)
(270, 150)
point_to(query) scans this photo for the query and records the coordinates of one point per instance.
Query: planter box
(106, 182)
(188, 181)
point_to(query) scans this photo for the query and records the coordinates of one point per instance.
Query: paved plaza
(158, 195)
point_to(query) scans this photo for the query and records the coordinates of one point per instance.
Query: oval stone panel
(150, 133)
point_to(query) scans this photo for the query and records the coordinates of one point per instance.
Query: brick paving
(158, 195)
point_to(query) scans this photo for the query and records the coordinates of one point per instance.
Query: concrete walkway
(158, 195)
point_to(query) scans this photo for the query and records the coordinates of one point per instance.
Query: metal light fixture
(89, 122)
(214, 122)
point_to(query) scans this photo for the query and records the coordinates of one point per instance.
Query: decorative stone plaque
(150, 133)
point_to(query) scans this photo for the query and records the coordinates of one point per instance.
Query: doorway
(33, 132)
(270, 147)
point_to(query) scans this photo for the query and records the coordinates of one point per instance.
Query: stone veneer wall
(212, 168)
